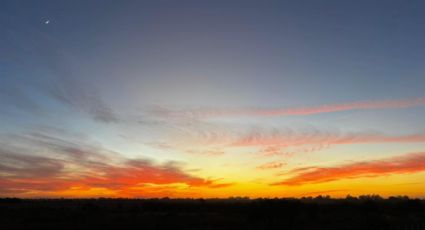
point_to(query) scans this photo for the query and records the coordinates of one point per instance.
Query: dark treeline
(365, 212)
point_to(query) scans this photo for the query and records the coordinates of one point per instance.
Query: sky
(212, 98)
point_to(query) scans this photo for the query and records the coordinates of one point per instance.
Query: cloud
(61, 78)
(287, 138)
(222, 185)
(82, 97)
(271, 150)
(140, 171)
(59, 144)
(295, 111)
(409, 163)
(29, 174)
(206, 152)
(14, 165)
(69, 164)
(271, 165)
(282, 141)
(20, 173)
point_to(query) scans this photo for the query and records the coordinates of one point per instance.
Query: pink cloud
(284, 141)
(308, 110)
(318, 140)
(271, 165)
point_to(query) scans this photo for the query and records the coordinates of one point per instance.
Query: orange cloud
(135, 172)
(221, 185)
(118, 179)
(410, 163)
(362, 105)
(74, 168)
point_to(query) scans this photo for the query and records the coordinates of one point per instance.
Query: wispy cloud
(206, 152)
(61, 78)
(271, 165)
(284, 141)
(83, 98)
(409, 163)
(316, 137)
(221, 185)
(26, 166)
(294, 111)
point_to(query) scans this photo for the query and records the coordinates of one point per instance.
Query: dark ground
(367, 212)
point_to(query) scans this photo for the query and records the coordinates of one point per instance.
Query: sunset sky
(212, 98)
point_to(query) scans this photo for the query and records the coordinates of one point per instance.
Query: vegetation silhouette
(321, 212)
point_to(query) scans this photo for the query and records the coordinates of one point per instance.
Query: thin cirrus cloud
(207, 152)
(62, 80)
(276, 143)
(83, 98)
(274, 138)
(295, 111)
(286, 140)
(271, 165)
(404, 164)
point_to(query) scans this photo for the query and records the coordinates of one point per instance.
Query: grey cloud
(17, 165)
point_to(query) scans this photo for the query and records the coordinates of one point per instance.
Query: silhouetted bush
(322, 212)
